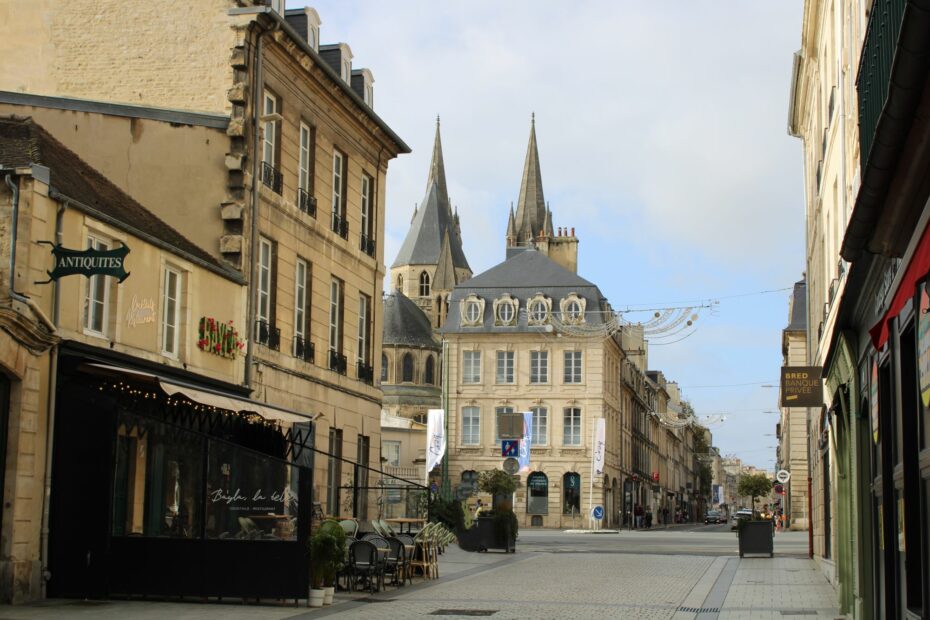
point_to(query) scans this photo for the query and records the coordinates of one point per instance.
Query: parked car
(713, 516)
(740, 515)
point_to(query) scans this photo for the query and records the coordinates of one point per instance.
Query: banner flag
(526, 441)
(435, 438)
(600, 432)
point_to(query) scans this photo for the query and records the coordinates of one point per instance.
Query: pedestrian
(665, 516)
(638, 513)
(648, 519)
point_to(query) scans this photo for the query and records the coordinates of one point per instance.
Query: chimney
(306, 22)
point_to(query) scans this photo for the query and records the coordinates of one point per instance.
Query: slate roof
(405, 324)
(432, 221)
(523, 275)
(23, 142)
(797, 319)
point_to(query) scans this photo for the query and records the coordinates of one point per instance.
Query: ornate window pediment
(472, 311)
(505, 310)
(573, 309)
(538, 309)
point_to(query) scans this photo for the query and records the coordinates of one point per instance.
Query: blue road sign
(510, 447)
(597, 512)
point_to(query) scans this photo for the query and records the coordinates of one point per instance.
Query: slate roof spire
(433, 220)
(531, 205)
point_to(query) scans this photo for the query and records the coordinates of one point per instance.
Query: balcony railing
(306, 202)
(303, 349)
(367, 245)
(878, 52)
(340, 226)
(337, 362)
(267, 334)
(366, 373)
(271, 177)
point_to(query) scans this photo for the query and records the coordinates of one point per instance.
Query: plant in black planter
(447, 512)
(756, 535)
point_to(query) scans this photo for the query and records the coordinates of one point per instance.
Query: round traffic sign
(783, 476)
(511, 465)
(597, 512)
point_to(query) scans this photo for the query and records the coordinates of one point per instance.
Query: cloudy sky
(662, 141)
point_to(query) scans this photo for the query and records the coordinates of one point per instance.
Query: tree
(754, 485)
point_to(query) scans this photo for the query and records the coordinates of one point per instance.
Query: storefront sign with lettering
(801, 386)
(141, 311)
(88, 263)
(218, 338)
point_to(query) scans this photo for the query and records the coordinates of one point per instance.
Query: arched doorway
(571, 493)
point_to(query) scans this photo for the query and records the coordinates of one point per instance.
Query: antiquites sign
(87, 263)
(801, 386)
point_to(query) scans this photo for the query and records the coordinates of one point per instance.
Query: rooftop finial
(533, 118)
(437, 119)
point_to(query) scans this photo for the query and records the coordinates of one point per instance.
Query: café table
(408, 521)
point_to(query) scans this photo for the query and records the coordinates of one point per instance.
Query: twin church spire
(532, 218)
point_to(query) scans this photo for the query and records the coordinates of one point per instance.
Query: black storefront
(173, 488)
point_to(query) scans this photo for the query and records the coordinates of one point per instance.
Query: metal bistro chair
(425, 553)
(363, 562)
(350, 527)
(395, 563)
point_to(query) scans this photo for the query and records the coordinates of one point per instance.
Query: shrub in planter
(449, 513)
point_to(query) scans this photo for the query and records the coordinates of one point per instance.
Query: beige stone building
(263, 147)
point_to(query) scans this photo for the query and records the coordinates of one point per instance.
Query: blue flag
(524, 458)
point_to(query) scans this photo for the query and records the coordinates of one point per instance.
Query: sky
(662, 141)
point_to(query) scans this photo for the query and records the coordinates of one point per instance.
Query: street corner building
(224, 394)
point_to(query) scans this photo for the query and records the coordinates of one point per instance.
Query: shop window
(571, 493)
(538, 501)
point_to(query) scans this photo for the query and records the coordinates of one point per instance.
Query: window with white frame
(472, 311)
(366, 211)
(538, 311)
(505, 367)
(335, 315)
(305, 170)
(269, 129)
(364, 330)
(497, 420)
(572, 367)
(390, 450)
(540, 429)
(471, 366)
(471, 426)
(170, 311)
(339, 163)
(571, 426)
(265, 252)
(539, 366)
(97, 294)
(301, 305)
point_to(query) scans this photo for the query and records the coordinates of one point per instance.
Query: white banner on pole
(526, 442)
(600, 437)
(435, 438)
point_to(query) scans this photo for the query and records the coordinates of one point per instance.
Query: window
(469, 484)
(471, 426)
(573, 311)
(364, 327)
(367, 242)
(334, 472)
(429, 377)
(424, 284)
(538, 311)
(384, 367)
(400, 283)
(335, 315)
(270, 130)
(573, 367)
(571, 426)
(170, 311)
(498, 411)
(571, 493)
(505, 366)
(305, 170)
(407, 368)
(339, 187)
(97, 297)
(505, 310)
(472, 311)
(363, 456)
(540, 430)
(265, 284)
(390, 450)
(471, 367)
(301, 308)
(539, 366)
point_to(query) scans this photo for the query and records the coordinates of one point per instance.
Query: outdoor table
(409, 521)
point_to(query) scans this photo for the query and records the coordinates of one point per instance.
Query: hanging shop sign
(218, 338)
(87, 262)
(801, 386)
(923, 345)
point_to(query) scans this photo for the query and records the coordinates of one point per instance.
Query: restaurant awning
(916, 269)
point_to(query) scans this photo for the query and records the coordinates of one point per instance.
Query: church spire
(531, 205)
(437, 169)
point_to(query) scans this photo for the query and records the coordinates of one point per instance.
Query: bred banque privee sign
(89, 263)
(801, 386)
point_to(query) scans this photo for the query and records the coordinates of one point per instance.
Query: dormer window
(347, 71)
(573, 309)
(538, 309)
(505, 310)
(472, 310)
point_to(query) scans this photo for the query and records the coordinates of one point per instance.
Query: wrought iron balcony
(366, 373)
(337, 362)
(271, 177)
(306, 202)
(340, 226)
(267, 334)
(878, 53)
(303, 349)
(367, 245)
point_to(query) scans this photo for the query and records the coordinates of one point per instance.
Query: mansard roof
(798, 317)
(405, 324)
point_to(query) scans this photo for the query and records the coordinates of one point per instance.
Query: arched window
(428, 374)
(571, 493)
(400, 283)
(407, 368)
(384, 368)
(538, 501)
(424, 284)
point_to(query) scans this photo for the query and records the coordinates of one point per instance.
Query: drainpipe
(257, 88)
(50, 419)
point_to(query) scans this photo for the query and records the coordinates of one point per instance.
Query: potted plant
(327, 557)
(756, 535)
(497, 528)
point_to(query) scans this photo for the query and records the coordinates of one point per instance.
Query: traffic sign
(510, 447)
(597, 512)
(779, 489)
(783, 476)
(511, 465)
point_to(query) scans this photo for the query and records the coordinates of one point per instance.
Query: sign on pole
(510, 447)
(87, 263)
(600, 431)
(783, 476)
(597, 513)
(801, 386)
(511, 465)
(526, 442)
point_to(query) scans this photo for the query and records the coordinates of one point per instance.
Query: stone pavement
(539, 585)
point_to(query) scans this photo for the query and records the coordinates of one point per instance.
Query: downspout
(257, 88)
(50, 420)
